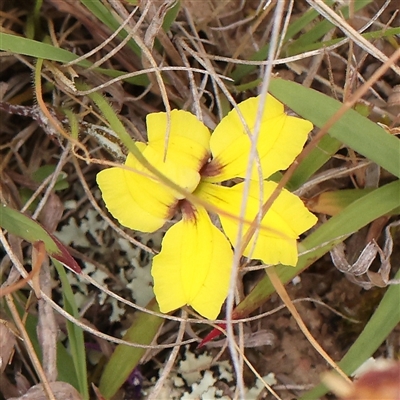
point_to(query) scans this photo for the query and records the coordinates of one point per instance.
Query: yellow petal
(188, 148)
(188, 142)
(136, 201)
(186, 178)
(281, 226)
(193, 267)
(281, 139)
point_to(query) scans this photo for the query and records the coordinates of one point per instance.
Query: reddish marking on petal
(172, 210)
(187, 209)
(210, 169)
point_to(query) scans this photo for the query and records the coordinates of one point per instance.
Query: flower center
(187, 209)
(211, 168)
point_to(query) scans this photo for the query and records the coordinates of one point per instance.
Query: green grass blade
(309, 38)
(20, 225)
(75, 333)
(171, 15)
(305, 20)
(26, 228)
(357, 215)
(115, 124)
(125, 358)
(375, 35)
(327, 147)
(33, 48)
(353, 130)
(65, 366)
(33, 20)
(385, 318)
(119, 129)
(103, 14)
(322, 28)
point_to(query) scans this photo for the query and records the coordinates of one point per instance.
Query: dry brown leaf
(7, 344)
(61, 390)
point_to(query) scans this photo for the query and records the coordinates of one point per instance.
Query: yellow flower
(194, 264)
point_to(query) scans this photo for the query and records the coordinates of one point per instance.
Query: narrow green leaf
(308, 38)
(374, 35)
(75, 333)
(125, 358)
(65, 366)
(33, 48)
(293, 29)
(115, 124)
(119, 129)
(332, 202)
(327, 147)
(73, 123)
(103, 14)
(353, 130)
(45, 171)
(171, 15)
(26, 228)
(322, 28)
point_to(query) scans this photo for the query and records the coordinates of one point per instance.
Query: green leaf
(353, 130)
(46, 170)
(119, 129)
(308, 38)
(125, 358)
(75, 333)
(332, 202)
(321, 29)
(65, 366)
(100, 11)
(375, 35)
(26, 228)
(171, 15)
(103, 14)
(327, 147)
(28, 47)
